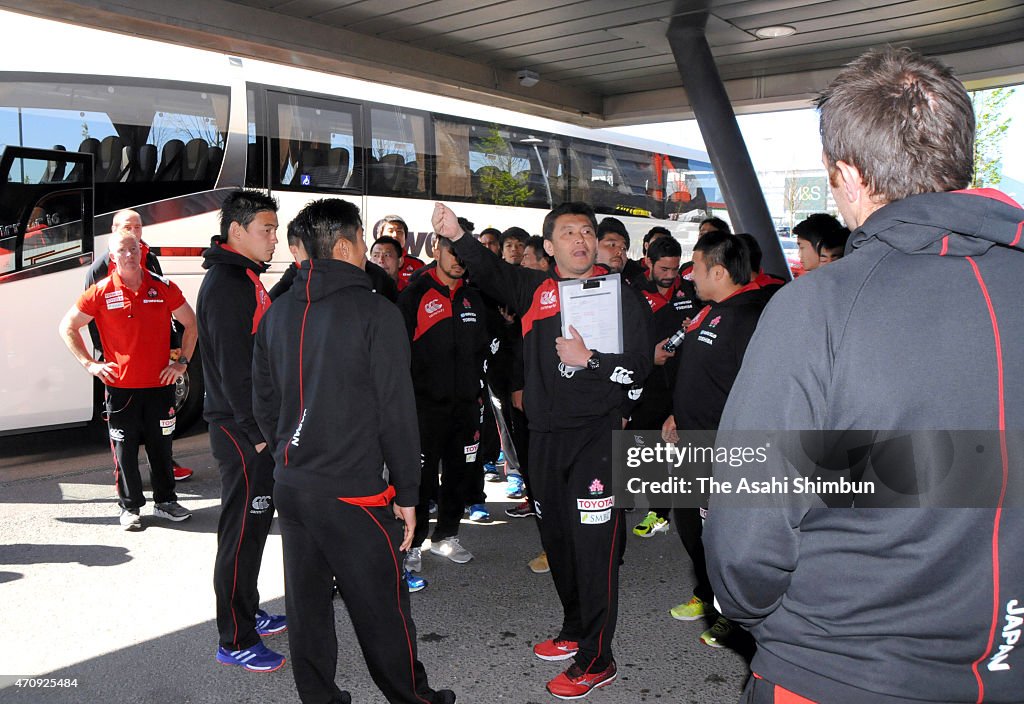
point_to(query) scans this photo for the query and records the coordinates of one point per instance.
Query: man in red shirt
(132, 308)
(130, 221)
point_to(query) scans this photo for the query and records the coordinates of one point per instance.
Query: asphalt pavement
(113, 616)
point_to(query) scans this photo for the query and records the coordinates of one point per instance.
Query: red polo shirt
(135, 326)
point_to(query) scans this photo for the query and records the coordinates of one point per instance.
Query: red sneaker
(181, 473)
(556, 649)
(574, 683)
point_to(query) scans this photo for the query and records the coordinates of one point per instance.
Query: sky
(785, 141)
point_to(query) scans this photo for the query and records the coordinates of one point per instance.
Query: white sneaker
(130, 519)
(414, 560)
(450, 548)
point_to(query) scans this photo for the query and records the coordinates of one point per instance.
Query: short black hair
(242, 206)
(655, 231)
(391, 242)
(718, 223)
(323, 222)
(572, 207)
(536, 243)
(379, 225)
(294, 236)
(723, 249)
(834, 239)
(664, 247)
(753, 249)
(514, 233)
(466, 225)
(612, 225)
(490, 231)
(815, 227)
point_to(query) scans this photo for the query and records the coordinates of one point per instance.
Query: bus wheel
(188, 396)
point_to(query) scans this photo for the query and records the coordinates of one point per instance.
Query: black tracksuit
(709, 361)
(231, 302)
(379, 280)
(669, 311)
(571, 417)
(336, 408)
(450, 343)
(918, 328)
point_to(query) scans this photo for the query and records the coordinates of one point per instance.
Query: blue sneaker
(491, 472)
(414, 582)
(478, 513)
(268, 624)
(516, 488)
(258, 658)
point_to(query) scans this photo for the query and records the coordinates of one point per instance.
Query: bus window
(41, 219)
(398, 145)
(255, 159)
(312, 143)
(451, 149)
(150, 140)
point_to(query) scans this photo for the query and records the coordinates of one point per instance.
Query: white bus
(92, 122)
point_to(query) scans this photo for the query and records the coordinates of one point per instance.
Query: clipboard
(594, 307)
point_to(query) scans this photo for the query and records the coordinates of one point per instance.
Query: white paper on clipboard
(594, 308)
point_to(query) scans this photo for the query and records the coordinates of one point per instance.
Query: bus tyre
(188, 396)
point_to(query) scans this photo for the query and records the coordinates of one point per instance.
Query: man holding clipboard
(574, 398)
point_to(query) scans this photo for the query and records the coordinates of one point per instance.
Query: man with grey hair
(913, 331)
(130, 221)
(133, 308)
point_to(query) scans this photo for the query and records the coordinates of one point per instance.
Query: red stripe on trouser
(611, 556)
(241, 533)
(1001, 400)
(781, 695)
(398, 601)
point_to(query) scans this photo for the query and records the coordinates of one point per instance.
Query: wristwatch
(182, 359)
(595, 360)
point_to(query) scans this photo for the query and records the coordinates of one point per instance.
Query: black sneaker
(521, 510)
(171, 510)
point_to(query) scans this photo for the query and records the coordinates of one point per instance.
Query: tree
(991, 126)
(498, 180)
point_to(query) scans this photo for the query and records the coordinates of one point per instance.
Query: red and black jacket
(410, 266)
(231, 302)
(669, 312)
(450, 339)
(556, 399)
(711, 355)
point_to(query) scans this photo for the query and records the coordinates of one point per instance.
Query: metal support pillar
(729, 157)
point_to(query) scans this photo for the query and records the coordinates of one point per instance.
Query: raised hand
(445, 223)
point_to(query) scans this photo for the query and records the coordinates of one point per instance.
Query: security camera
(527, 78)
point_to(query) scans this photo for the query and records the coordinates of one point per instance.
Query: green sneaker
(718, 635)
(652, 523)
(690, 611)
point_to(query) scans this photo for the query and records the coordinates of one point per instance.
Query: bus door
(46, 247)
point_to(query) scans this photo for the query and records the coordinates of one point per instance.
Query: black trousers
(328, 541)
(582, 532)
(690, 527)
(246, 511)
(449, 442)
(650, 414)
(137, 416)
